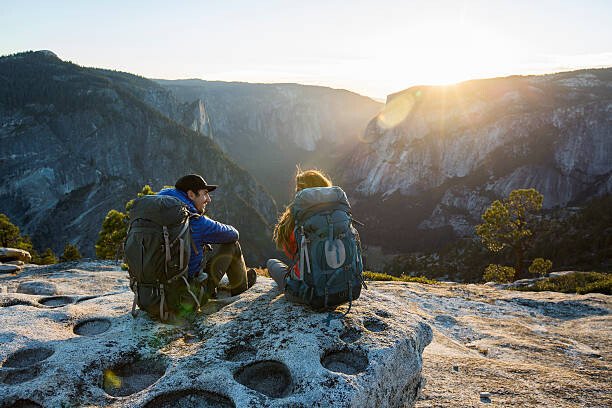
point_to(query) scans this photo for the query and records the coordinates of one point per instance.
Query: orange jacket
(291, 252)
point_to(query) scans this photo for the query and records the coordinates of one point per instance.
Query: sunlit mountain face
(436, 157)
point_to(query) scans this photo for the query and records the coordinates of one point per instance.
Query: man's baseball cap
(193, 182)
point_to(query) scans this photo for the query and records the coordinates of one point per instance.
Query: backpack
(157, 250)
(328, 249)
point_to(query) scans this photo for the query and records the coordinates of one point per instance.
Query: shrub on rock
(498, 273)
(540, 266)
(71, 253)
(47, 258)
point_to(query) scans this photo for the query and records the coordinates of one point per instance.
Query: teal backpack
(328, 249)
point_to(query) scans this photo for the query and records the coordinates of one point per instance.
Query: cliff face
(269, 128)
(444, 153)
(77, 142)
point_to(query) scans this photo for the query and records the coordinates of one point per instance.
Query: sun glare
(449, 52)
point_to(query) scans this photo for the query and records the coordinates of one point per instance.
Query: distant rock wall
(455, 149)
(270, 128)
(77, 142)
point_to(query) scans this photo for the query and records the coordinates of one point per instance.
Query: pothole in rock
(129, 378)
(190, 399)
(190, 338)
(446, 320)
(55, 301)
(374, 325)
(28, 357)
(349, 362)
(14, 302)
(92, 327)
(350, 335)
(269, 377)
(84, 298)
(20, 376)
(24, 404)
(241, 352)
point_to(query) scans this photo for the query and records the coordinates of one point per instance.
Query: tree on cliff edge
(114, 229)
(9, 232)
(509, 224)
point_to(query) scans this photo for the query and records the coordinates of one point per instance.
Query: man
(193, 190)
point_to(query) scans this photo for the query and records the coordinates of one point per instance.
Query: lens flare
(397, 109)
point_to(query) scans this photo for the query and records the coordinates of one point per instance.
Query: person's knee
(271, 262)
(230, 247)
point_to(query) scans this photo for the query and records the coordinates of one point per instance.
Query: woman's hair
(303, 179)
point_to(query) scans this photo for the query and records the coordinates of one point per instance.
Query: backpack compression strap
(304, 255)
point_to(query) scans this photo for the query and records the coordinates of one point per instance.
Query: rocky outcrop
(445, 153)
(253, 350)
(14, 254)
(12, 259)
(77, 142)
(510, 348)
(269, 128)
(196, 118)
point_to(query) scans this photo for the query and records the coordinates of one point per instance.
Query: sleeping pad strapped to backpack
(328, 249)
(157, 250)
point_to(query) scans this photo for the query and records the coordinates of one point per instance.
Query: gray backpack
(329, 249)
(157, 251)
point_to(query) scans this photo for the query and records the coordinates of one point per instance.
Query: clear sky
(374, 47)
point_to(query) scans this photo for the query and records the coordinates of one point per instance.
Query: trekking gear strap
(183, 230)
(162, 315)
(350, 291)
(167, 247)
(191, 293)
(182, 253)
(135, 289)
(304, 255)
(363, 282)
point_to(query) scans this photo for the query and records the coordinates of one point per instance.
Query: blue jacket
(203, 230)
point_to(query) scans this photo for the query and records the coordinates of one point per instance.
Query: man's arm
(209, 231)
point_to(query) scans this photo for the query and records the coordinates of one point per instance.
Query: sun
(447, 52)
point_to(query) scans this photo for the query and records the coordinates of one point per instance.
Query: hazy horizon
(371, 50)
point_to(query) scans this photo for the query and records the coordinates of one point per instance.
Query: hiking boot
(251, 277)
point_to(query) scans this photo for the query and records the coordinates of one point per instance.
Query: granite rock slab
(84, 348)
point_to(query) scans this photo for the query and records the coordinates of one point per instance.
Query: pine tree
(112, 234)
(9, 233)
(71, 253)
(48, 258)
(509, 224)
(114, 229)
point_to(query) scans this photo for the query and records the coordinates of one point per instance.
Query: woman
(283, 231)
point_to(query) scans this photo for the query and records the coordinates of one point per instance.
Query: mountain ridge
(448, 152)
(77, 143)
